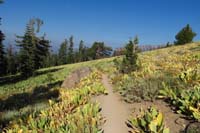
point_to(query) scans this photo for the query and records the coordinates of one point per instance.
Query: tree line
(35, 52)
(184, 36)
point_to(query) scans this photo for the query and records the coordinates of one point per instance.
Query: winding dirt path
(114, 110)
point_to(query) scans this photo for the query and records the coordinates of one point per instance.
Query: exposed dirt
(175, 122)
(74, 78)
(116, 112)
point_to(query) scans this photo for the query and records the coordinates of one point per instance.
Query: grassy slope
(24, 96)
(72, 112)
(177, 67)
(156, 66)
(163, 65)
(152, 62)
(59, 73)
(153, 59)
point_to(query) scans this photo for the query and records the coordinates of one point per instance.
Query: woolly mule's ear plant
(150, 121)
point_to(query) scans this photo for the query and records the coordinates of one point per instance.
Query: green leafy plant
(186, 101)
(150, 121)
(190, 76)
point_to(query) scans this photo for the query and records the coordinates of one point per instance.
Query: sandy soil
(175, 122)
(116, 111)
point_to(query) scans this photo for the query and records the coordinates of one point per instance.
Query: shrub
(136, 89)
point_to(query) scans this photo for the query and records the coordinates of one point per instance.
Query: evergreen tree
(63, 53)
(11, 61)
(2, 52)
(48, 60)
(99, 50)
(85, 53)
(184, 36)
(52, 59)
(135, 46)
(41, 52)
(129, 62)
(81, 51)
(136, 42)
(27, 47)
(2, 55)
(33, 49)
(71, 50)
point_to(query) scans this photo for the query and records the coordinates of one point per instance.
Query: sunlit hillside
(34, 104)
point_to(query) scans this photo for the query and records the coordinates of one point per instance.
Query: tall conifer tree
(2, 55)
(63, 52)
(33, 49)
(2, 52)
(71, 50)
(11, 60)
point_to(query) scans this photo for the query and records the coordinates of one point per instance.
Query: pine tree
(11, 61)
(2, 52)
(54, 59)
(129, 62)
(33, 50)
(184, 36)
(41, 52)
(85, 53)
(71, 50)
(81, 51)
(26, 53)
(2, 55)
(99, 50)
(63, 53)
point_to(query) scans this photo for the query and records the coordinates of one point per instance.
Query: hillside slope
(173, 67)
(172, 74)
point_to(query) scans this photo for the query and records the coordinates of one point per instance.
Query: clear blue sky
(111, 21)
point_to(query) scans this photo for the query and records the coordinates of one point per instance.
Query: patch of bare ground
(116, 112)
(175, 122)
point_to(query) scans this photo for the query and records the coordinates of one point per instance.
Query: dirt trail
(114, 110)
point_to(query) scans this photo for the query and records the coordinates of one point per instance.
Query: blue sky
(111, 21)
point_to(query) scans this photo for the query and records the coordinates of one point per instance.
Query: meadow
(170, 74)
(21, 97)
